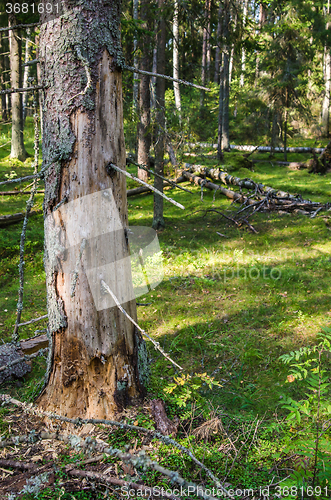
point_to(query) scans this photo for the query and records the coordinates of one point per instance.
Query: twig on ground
(78, 421)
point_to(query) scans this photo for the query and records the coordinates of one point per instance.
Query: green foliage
(310, 368)
(186, 387)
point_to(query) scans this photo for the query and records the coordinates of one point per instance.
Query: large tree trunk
(158, 220)
(243, 50)
(327, 78)
(176, 58)
(262, 19)
(205, 47)
(218, 52)
(220, 118)
(17, 143)
(135, 62)
(97, 357)
(144, 136)
(2, 80)
(225, 75)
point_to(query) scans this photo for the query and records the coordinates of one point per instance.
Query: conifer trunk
(158, 220)
(176, 57)
(2, 80)
(97, 363)
(17, 143)
(327, 79)
(144, 135)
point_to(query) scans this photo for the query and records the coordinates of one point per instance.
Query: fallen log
(232, 195)
(29, 346)
(261, 149)
(268, 149)
(7, 220)
(216, 173)
(13, 193)
(144, 189)
(270, 200)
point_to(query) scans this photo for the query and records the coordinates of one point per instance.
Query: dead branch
(156, 344)
(14, 193)
(29, 408)
(152, 188)
(117, 482)
(166, 77)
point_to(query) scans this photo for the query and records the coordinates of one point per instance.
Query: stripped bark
(96, 356)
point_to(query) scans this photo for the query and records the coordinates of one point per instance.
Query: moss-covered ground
(229, 305)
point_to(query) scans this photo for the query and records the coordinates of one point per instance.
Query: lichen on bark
(95, 352)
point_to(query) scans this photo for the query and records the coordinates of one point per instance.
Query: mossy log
(7, 220)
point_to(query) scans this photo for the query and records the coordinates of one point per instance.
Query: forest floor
(230, 304)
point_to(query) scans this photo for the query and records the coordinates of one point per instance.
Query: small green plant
(187, 387)
(313, 412)
(11, 175)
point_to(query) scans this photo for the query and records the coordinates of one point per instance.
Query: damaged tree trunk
(98, 359)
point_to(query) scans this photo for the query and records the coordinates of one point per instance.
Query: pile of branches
(257, 198)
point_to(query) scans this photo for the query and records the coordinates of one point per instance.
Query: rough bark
(225, 75)
(17, 143)
(98, 360)
(163, 423)
(158, 220)
(135, 60)
(144, 136)
(2, 80)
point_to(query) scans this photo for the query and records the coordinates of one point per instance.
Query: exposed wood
(163, 423)
(95, 365)
(29, 346)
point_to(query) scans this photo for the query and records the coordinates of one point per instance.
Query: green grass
(228, 307)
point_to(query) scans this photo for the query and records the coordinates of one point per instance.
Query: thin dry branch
(166, 77)
(18, 91)
(152, 188)
(156, 344)
(29, 408)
